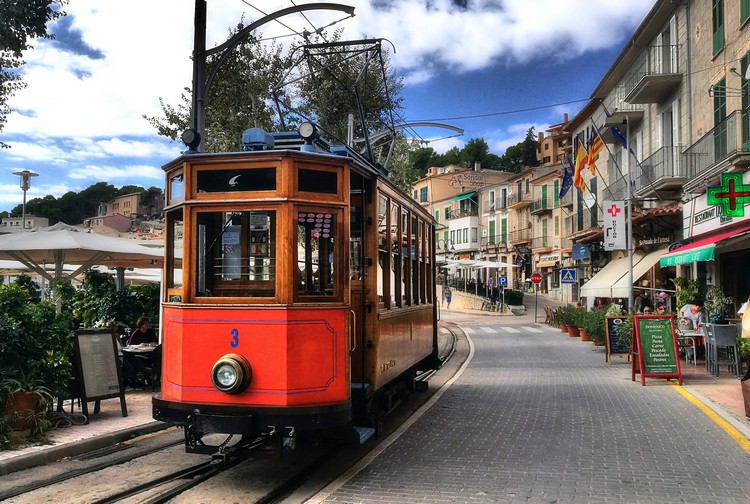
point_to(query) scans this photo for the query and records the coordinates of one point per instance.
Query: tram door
(359, 294)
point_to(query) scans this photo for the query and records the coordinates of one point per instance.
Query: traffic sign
(567, 276)
(536, 278)
(490, 281)
(502, 281)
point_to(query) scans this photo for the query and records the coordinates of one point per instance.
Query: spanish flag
(595, 146)
(581, 160)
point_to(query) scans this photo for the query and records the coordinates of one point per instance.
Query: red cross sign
(732, 195)
(614, 210)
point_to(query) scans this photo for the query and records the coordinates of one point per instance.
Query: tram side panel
(297, 357)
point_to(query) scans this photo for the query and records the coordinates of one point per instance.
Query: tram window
(174, 242)
(415, 256)
(176, 188)
(383, 287)
(405, 260)
(236, 180)
(355, 241)
(316, 253)
(236, 254)
(395, 240)
(317, 181)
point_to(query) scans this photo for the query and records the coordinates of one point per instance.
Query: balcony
(519, 237)
(497, 243)
(581, 224)
(541, 205)
(541, 244)
(519, 200)
(726, 146)
(662, 171)
(655, 76)
(621, 110)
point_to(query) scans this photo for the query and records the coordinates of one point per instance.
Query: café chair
(722, 337)
(151, 367)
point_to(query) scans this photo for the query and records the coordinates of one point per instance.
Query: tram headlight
(231, 374)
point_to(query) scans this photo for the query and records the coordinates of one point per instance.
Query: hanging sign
(656, 345)
(614, 225)
(731, 195)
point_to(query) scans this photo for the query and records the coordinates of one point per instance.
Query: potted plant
(36, 347)
(743, 347)
(685, 291)
(716, 305)
(576, 320)
(594, 326)
(23, 403)
(563, 315)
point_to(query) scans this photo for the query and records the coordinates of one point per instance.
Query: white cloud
(80, 118)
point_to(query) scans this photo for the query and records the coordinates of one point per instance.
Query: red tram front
(295, 277)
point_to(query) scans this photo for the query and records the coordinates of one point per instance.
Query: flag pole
(630, 216)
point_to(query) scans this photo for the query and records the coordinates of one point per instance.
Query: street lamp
(25, 184)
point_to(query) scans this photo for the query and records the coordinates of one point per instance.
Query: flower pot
(583, 335)
(563, 327)
(20, 408)
(573, 331)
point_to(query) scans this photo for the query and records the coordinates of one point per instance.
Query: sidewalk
(106, 428)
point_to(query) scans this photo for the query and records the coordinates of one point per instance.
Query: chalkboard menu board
(657, 347)
(612, 341)
(98, 368)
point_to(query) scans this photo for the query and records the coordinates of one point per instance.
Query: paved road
(537, 416)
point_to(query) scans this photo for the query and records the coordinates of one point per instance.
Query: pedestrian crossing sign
(568, 276)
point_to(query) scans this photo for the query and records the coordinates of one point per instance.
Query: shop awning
(701, 250)
(464, 196)
(601, 284)
(640, 268)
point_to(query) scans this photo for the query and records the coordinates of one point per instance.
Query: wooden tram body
(306, 273)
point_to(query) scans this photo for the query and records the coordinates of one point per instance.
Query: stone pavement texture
(535, 416)
(538, 416)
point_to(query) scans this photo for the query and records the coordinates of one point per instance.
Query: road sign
(536, 278)
(567, 276)
(490, 281)
(502, 281)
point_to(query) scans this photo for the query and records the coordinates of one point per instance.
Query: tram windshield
(236, 254)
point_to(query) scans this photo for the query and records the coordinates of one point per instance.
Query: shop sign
(731, 195)
(654, 240)
(581, 252)
(471, 179)
(615, 237)
(549, 258)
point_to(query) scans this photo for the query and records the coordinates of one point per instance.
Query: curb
(47, 455)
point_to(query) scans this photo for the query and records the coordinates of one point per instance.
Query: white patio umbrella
(57, 247)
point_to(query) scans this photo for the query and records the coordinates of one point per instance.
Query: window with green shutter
(491, 238)
(745, 114)
(504, 231)
(717, 24)
(437, 215)
(557, 225)
(556, 189)
(720, 126)
(744, 12)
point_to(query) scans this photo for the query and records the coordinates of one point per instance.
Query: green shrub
(513, 297)
(594, 325)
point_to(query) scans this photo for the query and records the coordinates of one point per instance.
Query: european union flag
(567, 179)
(619, 136)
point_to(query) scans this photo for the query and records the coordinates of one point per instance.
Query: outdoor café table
(690, 340)
(139, 356)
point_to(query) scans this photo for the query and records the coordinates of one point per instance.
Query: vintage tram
(298, 290)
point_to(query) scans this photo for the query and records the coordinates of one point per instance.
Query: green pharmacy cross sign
(732, 195)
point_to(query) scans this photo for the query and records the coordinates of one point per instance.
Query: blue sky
(79, 121)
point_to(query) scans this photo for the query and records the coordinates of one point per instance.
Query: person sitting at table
(129, 374)
(142, 333)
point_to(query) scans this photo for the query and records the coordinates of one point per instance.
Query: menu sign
(98, 368)
(612, 342)
(657, 347)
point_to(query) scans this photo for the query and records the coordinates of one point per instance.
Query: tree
(422, 159)
(521, 155)
(345, 79)
(239, 98)
(403, 173)
(20, 22)
(475, 151)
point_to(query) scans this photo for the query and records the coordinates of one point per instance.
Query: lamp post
(25, 184)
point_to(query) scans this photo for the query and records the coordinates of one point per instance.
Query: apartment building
(672, 112)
